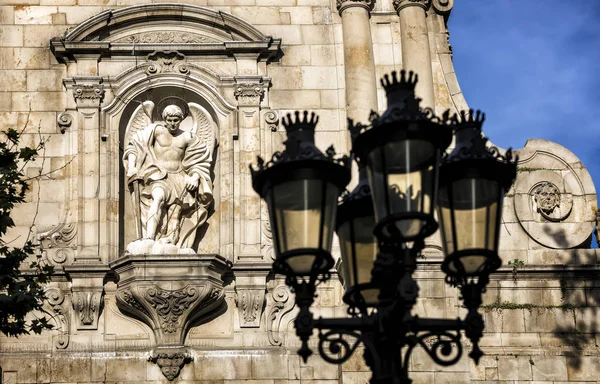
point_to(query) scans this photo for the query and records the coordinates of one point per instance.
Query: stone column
(88, 93)
(361, 83)
(249, 91)
(414, 38)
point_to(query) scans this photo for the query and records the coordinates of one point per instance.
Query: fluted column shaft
(416, 55)
(361, 86)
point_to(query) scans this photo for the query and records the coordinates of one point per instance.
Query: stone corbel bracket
(170, 294)
(250, 289)
(87, 290)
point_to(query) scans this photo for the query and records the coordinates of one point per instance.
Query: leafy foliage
(21, 284)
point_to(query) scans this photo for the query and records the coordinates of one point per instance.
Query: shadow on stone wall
(580, 299)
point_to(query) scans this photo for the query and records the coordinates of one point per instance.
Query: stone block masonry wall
(541, 314)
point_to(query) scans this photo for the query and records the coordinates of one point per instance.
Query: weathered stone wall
(540, 311)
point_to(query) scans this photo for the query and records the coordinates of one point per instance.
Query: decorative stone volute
(250, 290)
(170, 294)
(87, 288)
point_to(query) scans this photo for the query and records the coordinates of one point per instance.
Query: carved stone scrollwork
(251, 303)
(249, 93)
(64, 121)
(88, 92)
(250, 282)
(59, 243)
(152, 289)
(267, 241)
(87, 304)
(166, 61)
(87, 290)
(170, 305)
(57, 306)
(272, 120)
(443, 7)
(170, 37)
(170, 361)
(280, 302)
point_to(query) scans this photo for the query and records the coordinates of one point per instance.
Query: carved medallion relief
(554, 198)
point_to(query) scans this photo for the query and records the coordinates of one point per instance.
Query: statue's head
(547, 197)
(172, 115)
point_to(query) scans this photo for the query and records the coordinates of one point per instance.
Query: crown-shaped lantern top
(468, 120)
(400, 90)
(300, 144)
(302, 127)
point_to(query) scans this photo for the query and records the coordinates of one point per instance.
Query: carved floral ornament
(250, 301)
(91, 92)
(153, 290)
(87, 304)
(249, 94)
(167, 62)
(166, 37)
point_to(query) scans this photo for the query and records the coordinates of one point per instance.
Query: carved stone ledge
(250, 289)
(170, 294)
(87, 289)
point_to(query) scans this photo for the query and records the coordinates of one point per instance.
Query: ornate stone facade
(214, 312)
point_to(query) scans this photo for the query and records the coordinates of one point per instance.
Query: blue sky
(534, 68)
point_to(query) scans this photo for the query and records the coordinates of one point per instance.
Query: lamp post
(382, 224)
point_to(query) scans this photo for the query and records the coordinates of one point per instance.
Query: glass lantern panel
(303, 216)
(469, 211)
(401, 178)
(358, 257)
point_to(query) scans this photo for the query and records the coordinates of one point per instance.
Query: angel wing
(203, 126)
(140, 119)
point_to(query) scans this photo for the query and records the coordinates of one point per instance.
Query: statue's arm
(135, 148)
(197, 163)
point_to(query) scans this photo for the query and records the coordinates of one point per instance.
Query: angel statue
(168, 174)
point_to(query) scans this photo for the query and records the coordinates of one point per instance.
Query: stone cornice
(265, 50)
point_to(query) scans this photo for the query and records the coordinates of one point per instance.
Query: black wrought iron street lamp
(382, 225)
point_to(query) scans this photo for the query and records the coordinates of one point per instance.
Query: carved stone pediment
(170, 294)
(138, 29)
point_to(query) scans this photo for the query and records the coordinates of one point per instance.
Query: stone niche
(125, 66)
